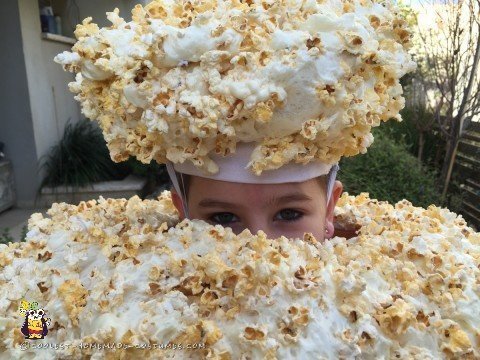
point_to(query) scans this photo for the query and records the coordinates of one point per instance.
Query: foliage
(23, 235)
(408, 13)
(456, 195)
(388, 171)
(407, 131)
(152, 171)
(6, 236)
(448, 55)
(156, 175)
(80, 158)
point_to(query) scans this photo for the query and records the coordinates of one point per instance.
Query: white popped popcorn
(303, 80)
(406, 287)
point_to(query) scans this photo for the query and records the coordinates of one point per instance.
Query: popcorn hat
(186, 82)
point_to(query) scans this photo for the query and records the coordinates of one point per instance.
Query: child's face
(288, 209)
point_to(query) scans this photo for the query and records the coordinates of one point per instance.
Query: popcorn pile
(127, 271)
(183, 80)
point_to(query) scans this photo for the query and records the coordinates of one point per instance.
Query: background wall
(50, 101)
(34, 97)
(16, 127)
(63, 107)
(73, 12)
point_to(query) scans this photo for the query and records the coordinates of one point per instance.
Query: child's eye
(289, 215)
(223, 218)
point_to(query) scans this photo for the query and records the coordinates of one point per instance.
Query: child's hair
(185, 184)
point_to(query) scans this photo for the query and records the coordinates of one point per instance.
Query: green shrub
(407, 132)
(388, 171)
(153, 171)
(80, 158)
(5, 236)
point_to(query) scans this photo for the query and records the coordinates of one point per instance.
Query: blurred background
(49, 152)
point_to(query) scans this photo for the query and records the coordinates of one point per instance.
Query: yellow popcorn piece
(74, 297)
(457, 342)
(396, 317)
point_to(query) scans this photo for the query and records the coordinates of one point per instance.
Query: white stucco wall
(48, 105)
(16, 129)
(94, 8)
(51, 104)
(62, 104)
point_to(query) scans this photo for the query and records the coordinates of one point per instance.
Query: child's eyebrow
(297, 196)
(215, 203)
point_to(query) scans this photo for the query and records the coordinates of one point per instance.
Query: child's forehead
(213, 184)
(251, 195)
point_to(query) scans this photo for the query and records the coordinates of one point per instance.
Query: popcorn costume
(263, 92)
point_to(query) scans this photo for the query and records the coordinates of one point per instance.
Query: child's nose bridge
(255, 223)
(260, 202)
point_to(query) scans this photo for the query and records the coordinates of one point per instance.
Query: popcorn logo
(35, 325)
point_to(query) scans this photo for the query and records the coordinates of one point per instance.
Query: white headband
(233, 168)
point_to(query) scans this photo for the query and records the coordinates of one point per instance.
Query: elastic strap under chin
(332, 176)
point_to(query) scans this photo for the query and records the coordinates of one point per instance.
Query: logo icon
(35, 325)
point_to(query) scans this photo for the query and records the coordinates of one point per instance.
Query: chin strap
(173, 176)
(332, 176)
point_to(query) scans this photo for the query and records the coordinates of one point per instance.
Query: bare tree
(419, 114)
(414, 88)
(450, 69)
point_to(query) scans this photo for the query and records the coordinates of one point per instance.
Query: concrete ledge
(59, 38)
(125, 188)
